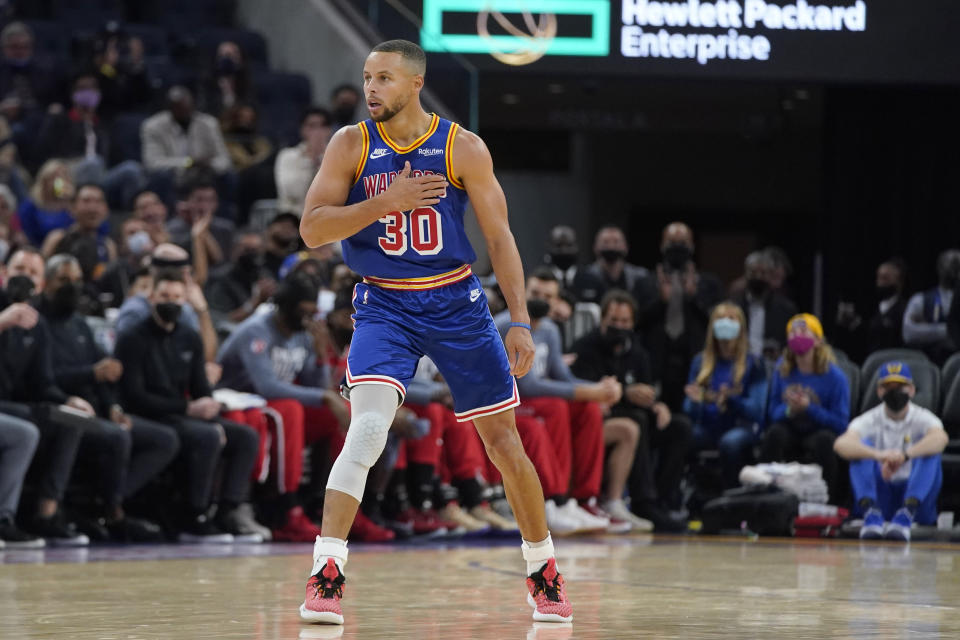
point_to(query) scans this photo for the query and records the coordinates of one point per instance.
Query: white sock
(537, 553)
(325, 548)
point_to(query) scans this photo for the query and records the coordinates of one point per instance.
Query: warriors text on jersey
(423, 243)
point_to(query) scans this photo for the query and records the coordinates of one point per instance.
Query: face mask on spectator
(758, 287)
(801, 344)
(726, 329)
(86, 98)
(615, 337)
(612, 255)
(676, 256)
(886, 291)
(19, 288)
(226, 65)
(139, 243)
(563, 261)
(64, 300)
(249, 264)
(344, 114)
(896, 399)
(168, 311)
(292, 316)
(286, 244)
(537, 308)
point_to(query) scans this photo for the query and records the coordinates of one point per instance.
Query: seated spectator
(181, 137)
(894, 452)
(809, 401)
(118, 59)
(18, 441)
(674, 324)
(344, 100)
(570, 410)
(611, 270)
(150, 209)
(726, 392)
(164, 379)
(282, 238)
(884, 330)
(252, 154)
(196, 223)
(767, 312)
(134, 252)
(235, 291)
(247, 148)
(129, 451)
(48, 207)
(615, 351)
(925, 320)
(562, 255)
(228, 82)
(78, 137)
(83, 239)
(781, 272)
(27, 83)
(277, 356)
(297, 166)
(196, 312)
(28, 392)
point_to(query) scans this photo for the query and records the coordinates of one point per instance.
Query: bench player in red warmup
(394, 189)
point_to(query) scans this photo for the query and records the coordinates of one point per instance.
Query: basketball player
(394, 188)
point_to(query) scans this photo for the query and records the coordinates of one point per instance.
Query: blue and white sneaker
(899, 527)
(873, 528)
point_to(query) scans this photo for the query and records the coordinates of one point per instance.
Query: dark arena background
(738, 224)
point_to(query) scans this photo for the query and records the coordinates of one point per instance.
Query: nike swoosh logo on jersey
(379, 153)
(474, 295)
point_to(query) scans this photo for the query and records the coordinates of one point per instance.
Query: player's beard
(388, 112)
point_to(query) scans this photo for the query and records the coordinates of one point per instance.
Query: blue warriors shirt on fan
(422, 243)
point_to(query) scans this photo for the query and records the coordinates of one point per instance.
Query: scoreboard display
(843, 41)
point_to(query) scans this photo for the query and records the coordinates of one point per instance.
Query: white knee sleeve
(373, 406)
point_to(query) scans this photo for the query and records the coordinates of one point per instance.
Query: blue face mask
(726, 328)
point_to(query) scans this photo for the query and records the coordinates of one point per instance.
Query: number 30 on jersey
(426, 232)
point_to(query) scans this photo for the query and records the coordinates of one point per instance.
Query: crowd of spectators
(171, 355)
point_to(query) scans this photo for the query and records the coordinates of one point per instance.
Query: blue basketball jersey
(421, 243)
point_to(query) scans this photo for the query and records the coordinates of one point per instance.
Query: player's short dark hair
(316, 111)
(410, 52)
(545, 274)
(167, 274)
(618, 296)
(194, 179)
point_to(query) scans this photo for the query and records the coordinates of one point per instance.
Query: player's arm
(326, 218)
(473, 165)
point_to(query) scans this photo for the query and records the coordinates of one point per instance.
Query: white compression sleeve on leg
(372, 409)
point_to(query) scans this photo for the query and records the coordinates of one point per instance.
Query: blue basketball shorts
(396, 322)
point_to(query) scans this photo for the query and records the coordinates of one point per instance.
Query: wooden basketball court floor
(634, 587)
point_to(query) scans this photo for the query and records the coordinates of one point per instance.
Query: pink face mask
(801, 344)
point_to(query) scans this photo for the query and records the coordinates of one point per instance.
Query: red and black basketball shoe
(324, 591)
(548, 596)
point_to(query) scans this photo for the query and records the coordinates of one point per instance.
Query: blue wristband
(522, 325)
